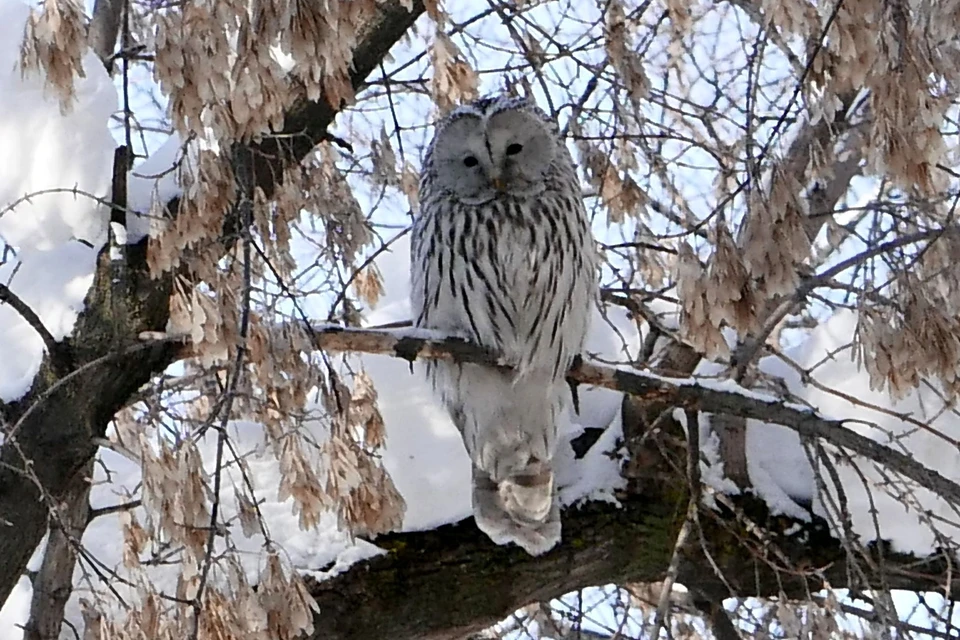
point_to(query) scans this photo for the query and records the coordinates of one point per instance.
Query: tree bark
(52, 426)
(452, 581)
(53, 583)
(104, 28)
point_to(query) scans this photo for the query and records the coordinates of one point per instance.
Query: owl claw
(516, 457)
(528, 499)
(535, 532)
(535, 540)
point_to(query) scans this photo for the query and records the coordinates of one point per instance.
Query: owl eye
(470, 161)
(514, 149)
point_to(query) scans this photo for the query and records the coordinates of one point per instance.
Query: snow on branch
(684, 393)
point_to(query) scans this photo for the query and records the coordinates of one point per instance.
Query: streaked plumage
(513, 269)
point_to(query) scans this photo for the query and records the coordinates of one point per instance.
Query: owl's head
(491, 147)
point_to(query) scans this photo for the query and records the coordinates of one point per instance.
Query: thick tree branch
(452, 581)
(53, 583)
(306, 124)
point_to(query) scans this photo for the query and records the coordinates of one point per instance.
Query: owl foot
(535, 536)
(506, 460)
(528, 498)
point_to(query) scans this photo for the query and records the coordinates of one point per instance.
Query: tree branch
(449, 582)
(305, 125)
(53, 583)
(54, 350)
(104, 28)
(686, 393)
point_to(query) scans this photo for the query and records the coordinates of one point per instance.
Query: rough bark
(50, 432)
(452, 581)
(51, 428)
(53, 583)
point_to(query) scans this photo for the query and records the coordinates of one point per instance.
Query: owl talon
(504, 526)
(534, 540)
(528, 498)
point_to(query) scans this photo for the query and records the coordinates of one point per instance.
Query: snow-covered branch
(686, 393)
(726, 397)
(448, 582)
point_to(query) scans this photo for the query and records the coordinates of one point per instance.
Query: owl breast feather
(512, 274)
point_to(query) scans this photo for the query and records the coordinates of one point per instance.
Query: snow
(596, 476)
(17, 607)
(711, 464)
(424, 454)
(913, 520)
(322, 551)
(16, 610)
(154, 181)
(778, 466)
(902, 519)
(53, 283)
(44, 149)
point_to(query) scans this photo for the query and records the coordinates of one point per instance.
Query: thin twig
(93, 514)
(693, 479)
(238, 368)
(663, 607)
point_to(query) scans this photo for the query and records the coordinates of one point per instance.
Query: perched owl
(502, 255)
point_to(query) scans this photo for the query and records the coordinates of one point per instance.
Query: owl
(502, 256)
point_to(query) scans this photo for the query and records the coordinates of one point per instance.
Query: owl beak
(493, 175)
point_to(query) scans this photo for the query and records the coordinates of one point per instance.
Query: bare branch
(30, 316)
(686, 393)
(53, 583)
